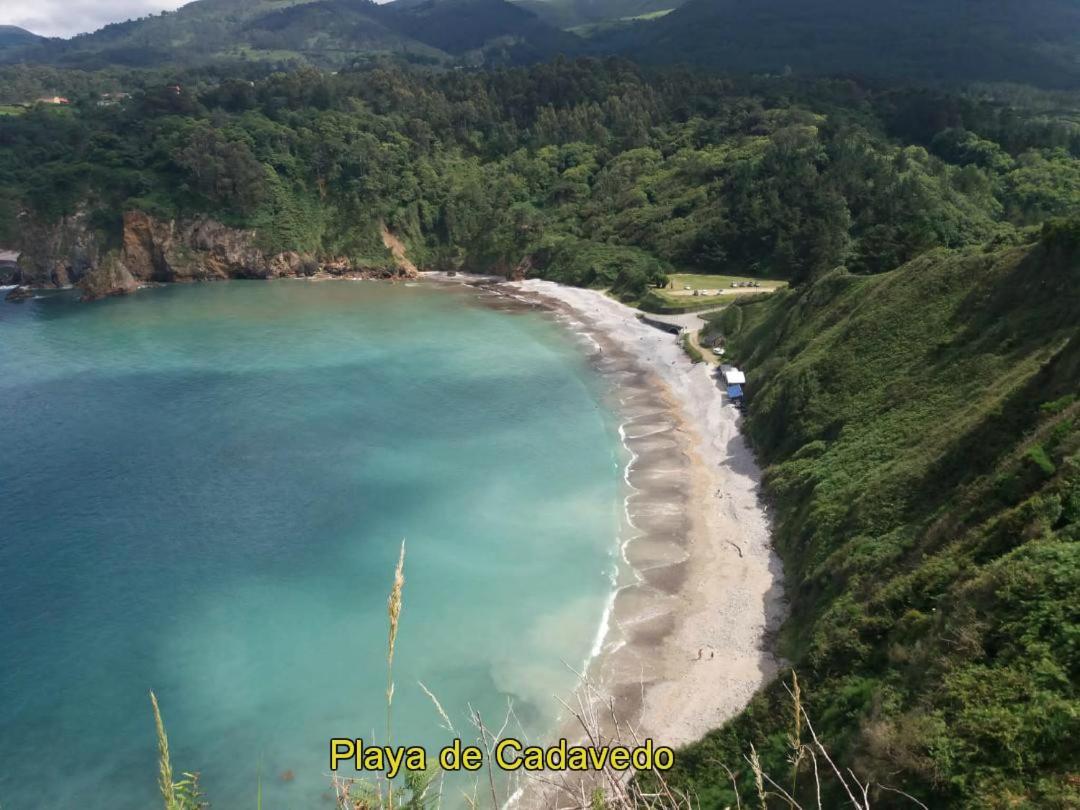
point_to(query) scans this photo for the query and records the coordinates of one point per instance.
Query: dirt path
(706, 351)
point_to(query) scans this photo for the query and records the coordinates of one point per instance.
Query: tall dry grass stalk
(759, 777)
(184, 794)
(165, 774)
(446, 722)
(858, 793)
(798, 750)
(393, 610)
(595, 714)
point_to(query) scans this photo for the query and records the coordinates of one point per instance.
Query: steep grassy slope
(1031, 41)
(921, 432)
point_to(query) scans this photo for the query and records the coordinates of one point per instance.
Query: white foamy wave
(626, 537)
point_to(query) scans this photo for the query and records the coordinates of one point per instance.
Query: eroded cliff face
(69, 253)
(9, 267)
(57, 254)
(201, 250)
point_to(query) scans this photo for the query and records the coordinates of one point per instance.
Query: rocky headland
(70, 252)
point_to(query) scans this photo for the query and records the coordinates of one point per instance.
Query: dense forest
(590, 172)
(912, 395)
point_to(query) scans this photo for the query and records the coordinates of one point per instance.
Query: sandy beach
(686, 646)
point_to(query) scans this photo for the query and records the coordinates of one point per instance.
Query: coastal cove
(388, 381)
(205, 491)
(664, 507)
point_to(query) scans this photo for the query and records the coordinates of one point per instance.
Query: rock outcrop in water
(110, 277)
(69, 252)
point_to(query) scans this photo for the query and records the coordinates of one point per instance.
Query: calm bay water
(203, 490)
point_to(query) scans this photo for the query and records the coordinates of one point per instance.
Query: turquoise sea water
(203, 490)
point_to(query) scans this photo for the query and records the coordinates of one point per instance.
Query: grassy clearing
(593, 28)
(699, 281)
(652, 15)
(675, 298)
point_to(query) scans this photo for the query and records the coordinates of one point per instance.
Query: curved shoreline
(701, 574)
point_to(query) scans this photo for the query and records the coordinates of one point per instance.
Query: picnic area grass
(699, 281)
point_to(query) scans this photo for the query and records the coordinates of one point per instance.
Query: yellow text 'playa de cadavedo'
(508, 755)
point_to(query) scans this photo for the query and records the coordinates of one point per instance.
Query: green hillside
(192, 34)
(921, 432)
(589, 172)
(1033, 42)
(457, 26)
(330, 33)
(1030, 41)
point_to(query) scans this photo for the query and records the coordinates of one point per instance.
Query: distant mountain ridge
(11, 36)
(1033, 42)
(325, 33)
(1028, 41)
